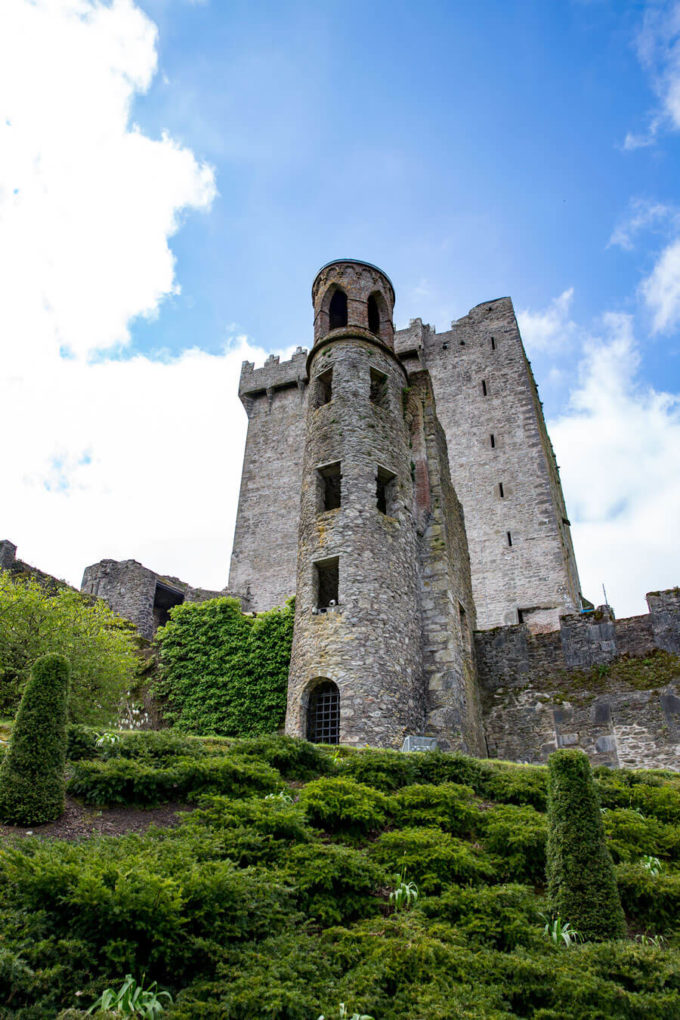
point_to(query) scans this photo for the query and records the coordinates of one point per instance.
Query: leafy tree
(99, 646)
(32, 785)
(222, 671)
(581, 882)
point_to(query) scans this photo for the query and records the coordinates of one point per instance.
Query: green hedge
(449, 805)
(432, 858)
(517, 836)
(344, 806)
(32, 787)
(581, 884)
(651, 900)
(126, 781)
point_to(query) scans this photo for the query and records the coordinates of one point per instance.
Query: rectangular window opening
(492, 440)
(484, 392)
(509, 537)
(329, 484)
(327, 582)
(323, 393)
(378, 388)
(386, 491)
(165, 598)
(493, 343)
(501, 493)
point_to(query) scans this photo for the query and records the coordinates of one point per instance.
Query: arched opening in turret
(337, 310)
(323, 713)
(373, 315)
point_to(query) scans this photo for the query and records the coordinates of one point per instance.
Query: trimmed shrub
(294, 758)
(435, 767)
(251, 831)
(32, 786)
(499, 917)
(334, 883)
(126, 781)
(81, 742)
(518, 836)
(343, 806)
(652, 900)
(431, 858)
(155, 747)
(450, 806)
(630, 835)
(385, 770)
(517, 784)
(581, 883)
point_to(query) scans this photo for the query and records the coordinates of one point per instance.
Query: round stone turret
(348, 295)
(356, 666)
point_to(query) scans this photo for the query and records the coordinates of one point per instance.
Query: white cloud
(619, 450)
(658, 45)
(551, 329)
(87, 202)
(122, 458)
(643, 214)
(661, 290)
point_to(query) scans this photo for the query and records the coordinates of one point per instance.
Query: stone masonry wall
(264, 557)
(368, 645)
(483, 387)
(447, 610)
(130, 590)
(610, 687)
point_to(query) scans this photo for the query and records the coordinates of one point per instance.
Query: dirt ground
(80, 821)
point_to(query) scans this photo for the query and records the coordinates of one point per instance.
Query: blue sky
(183, 169)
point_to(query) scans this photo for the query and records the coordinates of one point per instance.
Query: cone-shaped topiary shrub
(581, 883)
(32, 773)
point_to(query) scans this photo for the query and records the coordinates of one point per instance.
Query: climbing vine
(222, 671)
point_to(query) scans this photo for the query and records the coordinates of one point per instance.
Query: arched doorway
(323, 714)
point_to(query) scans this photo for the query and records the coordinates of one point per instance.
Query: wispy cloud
(551, 329)
(658, 46)
(661, 290)
(644, 214)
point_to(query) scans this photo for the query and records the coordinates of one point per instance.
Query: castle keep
(403, 486)
(356, 458)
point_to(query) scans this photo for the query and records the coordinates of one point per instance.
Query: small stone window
(509, 534)
(386, 491)
(378, 388)
(337, 310)
(327, 582)
(323, 388)
(484, 389)
(323, 714)
(165, 598)
(493, 343)
(501, 491)
(373, 315)
(329, 482)
(492, 440)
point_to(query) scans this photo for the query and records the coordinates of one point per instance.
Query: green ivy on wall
(222, 671)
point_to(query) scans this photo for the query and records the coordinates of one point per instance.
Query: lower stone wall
(610, 687)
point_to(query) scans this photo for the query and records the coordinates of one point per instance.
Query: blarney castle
(402, 485)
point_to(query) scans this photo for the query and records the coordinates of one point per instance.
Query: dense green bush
(431, 858)
(499, 917)
(517, 835)
(126, 781)
(334, 883)
(581, 884)
(449, 805)
(81, 742)
(344, 806)
(435, 767)
(32, 784)
(385, 770)
(517, 784)
(100, 647)
(222, 671)
(630, 835)
(649, 793)
(155, 747)
(294, 758)
(651, 900)
(252, 831)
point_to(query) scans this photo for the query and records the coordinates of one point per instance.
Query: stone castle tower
(353, 459)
